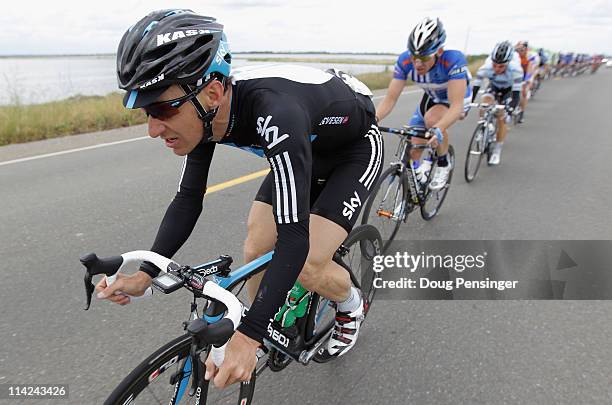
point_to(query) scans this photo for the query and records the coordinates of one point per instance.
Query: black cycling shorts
(341, 182)
(501, 95)
(427, 103)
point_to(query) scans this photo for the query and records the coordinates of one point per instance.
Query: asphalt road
(553, 183)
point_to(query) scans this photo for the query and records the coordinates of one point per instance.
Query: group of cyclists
(570, 64)
(319, 132)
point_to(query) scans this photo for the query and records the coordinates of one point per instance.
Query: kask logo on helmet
(173, 36)
(153, 81)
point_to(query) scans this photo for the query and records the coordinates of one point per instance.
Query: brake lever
(89, 289)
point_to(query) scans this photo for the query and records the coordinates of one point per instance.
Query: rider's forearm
(475, 90)
(516, 98)
(385, 107)
(178, 223)
(290, 254)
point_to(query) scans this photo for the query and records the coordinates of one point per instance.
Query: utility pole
(467, 38)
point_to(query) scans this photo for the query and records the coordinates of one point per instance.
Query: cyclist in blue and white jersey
(505, 77)
(544, 66)
(444, 77)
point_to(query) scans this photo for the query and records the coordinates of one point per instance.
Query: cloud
(357, 26)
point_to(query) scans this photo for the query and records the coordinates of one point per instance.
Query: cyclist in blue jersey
(505, 77)
(444, 77)
(317, 131)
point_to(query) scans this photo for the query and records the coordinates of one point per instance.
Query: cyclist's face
(181, 132)
(422, 65)
(499, 68)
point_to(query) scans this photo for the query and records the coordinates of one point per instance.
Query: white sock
(351, 303)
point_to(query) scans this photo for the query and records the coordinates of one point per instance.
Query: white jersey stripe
(372, 159)
(292, 188)
(182, 173)
(372, 177)
(279, 217)
(281, 170)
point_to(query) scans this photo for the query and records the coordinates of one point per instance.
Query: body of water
(31, 80)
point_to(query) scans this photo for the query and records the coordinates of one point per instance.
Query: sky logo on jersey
(351, 206)
(334, 120)
(173, 36)
(270, 134)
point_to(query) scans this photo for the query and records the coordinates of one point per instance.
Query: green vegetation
(79, 114)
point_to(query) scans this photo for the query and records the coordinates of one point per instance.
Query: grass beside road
(76, 115)
(81, 114)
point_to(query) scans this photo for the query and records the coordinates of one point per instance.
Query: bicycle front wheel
(474, 154)
(434, 199)
(165, 378)
(386, 206)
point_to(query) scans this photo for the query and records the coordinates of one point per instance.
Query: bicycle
(483, 139)
(182, 359)
(398, 191)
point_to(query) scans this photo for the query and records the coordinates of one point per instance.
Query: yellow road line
(236, 181)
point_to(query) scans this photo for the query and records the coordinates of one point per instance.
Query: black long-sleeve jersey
(286, 114)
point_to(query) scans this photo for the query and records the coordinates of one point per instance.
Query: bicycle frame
(306, 347)
(417, 192)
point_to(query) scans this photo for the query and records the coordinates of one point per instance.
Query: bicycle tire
(474, 145)
(135, 383)
(429, 214)
(387, 226)
(173, 352)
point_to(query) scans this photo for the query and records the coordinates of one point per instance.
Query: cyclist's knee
(434, 114)
(311, 272)
(254, 248)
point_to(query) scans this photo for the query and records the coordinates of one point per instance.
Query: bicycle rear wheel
(434, 199)
(386, 206)
(474, 154)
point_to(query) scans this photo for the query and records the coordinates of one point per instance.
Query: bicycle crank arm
(306, 356)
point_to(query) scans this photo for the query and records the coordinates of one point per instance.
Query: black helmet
(169, 47)
(427, 37)
(502, 53)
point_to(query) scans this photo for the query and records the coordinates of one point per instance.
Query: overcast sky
(74, 27)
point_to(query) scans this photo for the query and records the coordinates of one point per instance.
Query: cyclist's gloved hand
(436, 136)
(239, 362)
(132, 284)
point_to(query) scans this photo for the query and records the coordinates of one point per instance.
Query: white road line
(64, 152)
(102, 145)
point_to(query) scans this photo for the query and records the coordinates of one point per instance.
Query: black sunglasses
(163, 110)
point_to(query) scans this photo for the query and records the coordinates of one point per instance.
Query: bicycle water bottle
(295, 306)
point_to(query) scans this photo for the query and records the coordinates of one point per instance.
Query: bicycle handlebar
(409, 131)
(485, 106)
(111, 266)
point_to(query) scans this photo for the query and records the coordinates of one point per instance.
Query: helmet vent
(159, 52)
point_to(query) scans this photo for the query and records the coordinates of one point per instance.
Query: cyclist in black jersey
(316, 129)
